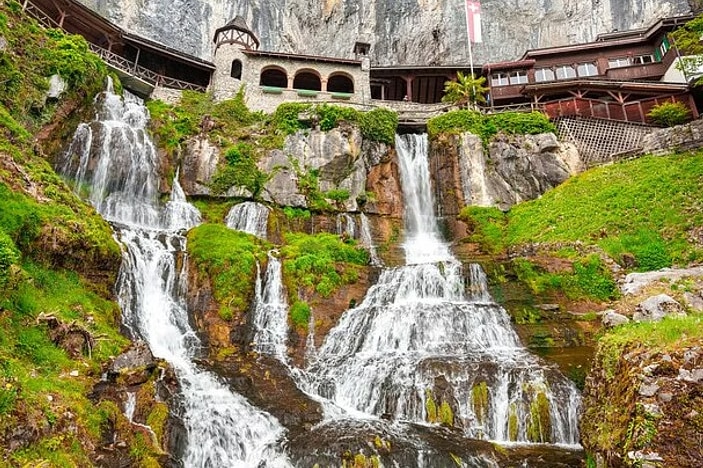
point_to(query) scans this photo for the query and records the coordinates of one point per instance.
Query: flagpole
(468, 42)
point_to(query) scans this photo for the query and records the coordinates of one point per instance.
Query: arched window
(236, 71)
(274, 76)
(307, 79)
(340, 83)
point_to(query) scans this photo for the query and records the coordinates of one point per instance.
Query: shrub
(8, 256)
(379, 125)
(320, 262)
(670, 114)
(235, 110)
(487, 126)
(300, 313)
(285, 119)
(240, 171)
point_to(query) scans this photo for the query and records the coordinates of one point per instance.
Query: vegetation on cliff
(487, 126)
(641, 397)
(644, 213)
(228, 258)
(318, 264)
(59, 325)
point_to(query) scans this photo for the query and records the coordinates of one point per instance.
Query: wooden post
(409, 87)
(136, 61)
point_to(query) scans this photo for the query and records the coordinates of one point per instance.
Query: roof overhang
(305, 58)
(640, 87)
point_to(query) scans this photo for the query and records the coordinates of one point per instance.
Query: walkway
(135, 59)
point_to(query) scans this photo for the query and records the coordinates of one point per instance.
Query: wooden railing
(115, 60)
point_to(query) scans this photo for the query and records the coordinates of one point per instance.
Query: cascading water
(114, 158)
(271, 312)
(367, 241)
(418, 342)
(250, 217)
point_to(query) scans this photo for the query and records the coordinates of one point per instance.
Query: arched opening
(307, 79)
(236, 71)
(339, 83)
(275, 77)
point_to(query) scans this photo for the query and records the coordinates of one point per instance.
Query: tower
(231, 71)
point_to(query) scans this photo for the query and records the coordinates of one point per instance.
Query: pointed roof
(238, 23)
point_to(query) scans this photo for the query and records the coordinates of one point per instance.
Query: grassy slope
(646, 209)
(57, 256)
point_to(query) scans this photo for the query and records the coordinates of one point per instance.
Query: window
(544, 74)
(518, 77)
(499, 79)
(664, 47)
(565, 71)
(618, 62)
(587, 69)
(236, 69)
(642, 59)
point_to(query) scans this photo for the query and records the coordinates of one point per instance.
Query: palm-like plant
(465, 90)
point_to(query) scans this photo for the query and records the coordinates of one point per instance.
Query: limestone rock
(3, 44)
(613, 319)
(516, 168)
(199, 165)
(137, 356)
(657, 307)
(635, 282)
(282, 188)
(694, 301)
(417, 32)
(57, 86)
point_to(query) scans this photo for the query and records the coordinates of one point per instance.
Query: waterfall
(114, 158)
(346, 226)
(367, 241)
(422, 340)
(271, 312)
(250, 217)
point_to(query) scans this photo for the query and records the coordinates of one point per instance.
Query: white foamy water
(271, 312)
(114, 159)
(250, 217)
(422, 327)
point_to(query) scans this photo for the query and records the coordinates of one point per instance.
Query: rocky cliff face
(402, 32)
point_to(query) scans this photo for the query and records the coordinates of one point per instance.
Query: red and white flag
(473, 20)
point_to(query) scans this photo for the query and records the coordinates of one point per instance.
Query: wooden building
(618, 76)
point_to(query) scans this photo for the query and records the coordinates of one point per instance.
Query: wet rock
(613, 319)
(198, 165)
(137, 355)
(657, 307)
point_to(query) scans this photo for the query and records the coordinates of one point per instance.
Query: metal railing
(115, 60)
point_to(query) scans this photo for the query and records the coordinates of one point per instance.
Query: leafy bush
(300, 313)
(320, 262)
(235, 110)
(285, 118)
(329, 116)
(71, 58)
(487, 126)
(670, 114)
(380, 125)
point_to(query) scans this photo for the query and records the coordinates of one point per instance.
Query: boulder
(613, 319)
(57, 86)
(657, 307)
(137, 356)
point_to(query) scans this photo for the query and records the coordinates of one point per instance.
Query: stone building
(270, 78)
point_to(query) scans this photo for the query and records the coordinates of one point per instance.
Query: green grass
(228, 258)
(642, 208)
(320, 263)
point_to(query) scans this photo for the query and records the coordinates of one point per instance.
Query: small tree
(466, 90)
(687, 39)
(669, 114)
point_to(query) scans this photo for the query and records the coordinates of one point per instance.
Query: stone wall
(257, 98)
(680, 137)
